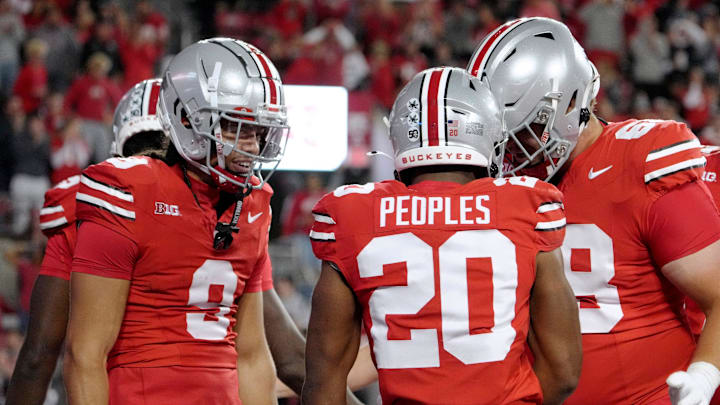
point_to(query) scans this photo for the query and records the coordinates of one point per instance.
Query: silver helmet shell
(224, 79)
(444, 116)
(537, 71)
(135, 113)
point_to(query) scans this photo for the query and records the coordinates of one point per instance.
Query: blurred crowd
(64, 64)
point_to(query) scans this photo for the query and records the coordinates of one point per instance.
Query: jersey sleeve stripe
(325, 219)
(677, 167)
(51, 210)
(53, 224)
(107, 189)
(322, 236)
(550, 225)
(672, 149)
(709, 149)
(97, 202)
(550, 206)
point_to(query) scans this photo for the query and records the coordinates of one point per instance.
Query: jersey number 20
(422, 349)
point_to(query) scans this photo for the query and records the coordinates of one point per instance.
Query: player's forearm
(290, 360)
(325, 389)
(256, 380)
(707, 349)
(86, 379)
(31, 376)
(556, 365)
(555, 387)
(286, 343)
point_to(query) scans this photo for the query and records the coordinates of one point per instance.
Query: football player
(170, 255)
(137, 131)
(450, 270)
(642, 228)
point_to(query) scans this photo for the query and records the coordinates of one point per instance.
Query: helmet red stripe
(489, 44)
(273, 91)
(432, 99)
(268, 74)
(153, 100)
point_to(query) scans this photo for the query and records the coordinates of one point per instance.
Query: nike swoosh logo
(252, 218)
(594, 174)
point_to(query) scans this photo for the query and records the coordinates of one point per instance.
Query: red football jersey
(634, 334)
(57, 220)
(443, 273)
(183, 292)
(696, 317)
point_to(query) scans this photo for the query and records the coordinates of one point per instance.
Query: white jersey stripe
(54, 223)
(105, 205)
(329, 236)
(672, 150)
(687, 164)
(52, 210)
(105, 189)
(325, 219)
(550, 224)
(547, 207)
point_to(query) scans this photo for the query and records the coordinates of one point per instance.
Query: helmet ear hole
(184, 120)
(571, 105)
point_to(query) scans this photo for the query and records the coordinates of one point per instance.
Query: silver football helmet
(135, 113)
(444, 116)
(229, 83)
(540, 75)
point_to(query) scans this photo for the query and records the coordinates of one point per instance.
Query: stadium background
(65, 63)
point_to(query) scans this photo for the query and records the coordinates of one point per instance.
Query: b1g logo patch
(166, 209)
(413, 134)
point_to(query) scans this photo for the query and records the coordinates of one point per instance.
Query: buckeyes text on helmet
(223, 80)
(540, 75)
(444, 116)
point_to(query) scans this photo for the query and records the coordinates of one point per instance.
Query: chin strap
(225, 185)
(591, 91)
(223, 232)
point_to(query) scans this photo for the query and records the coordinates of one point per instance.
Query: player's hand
(695, 386)
(684, 390)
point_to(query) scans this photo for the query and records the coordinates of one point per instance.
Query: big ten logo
(710, 177)
(166, 209)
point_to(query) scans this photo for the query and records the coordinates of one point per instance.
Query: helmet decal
(135, 113)
(445, 116)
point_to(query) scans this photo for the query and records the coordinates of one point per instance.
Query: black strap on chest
(222, 238)
(223, 232)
